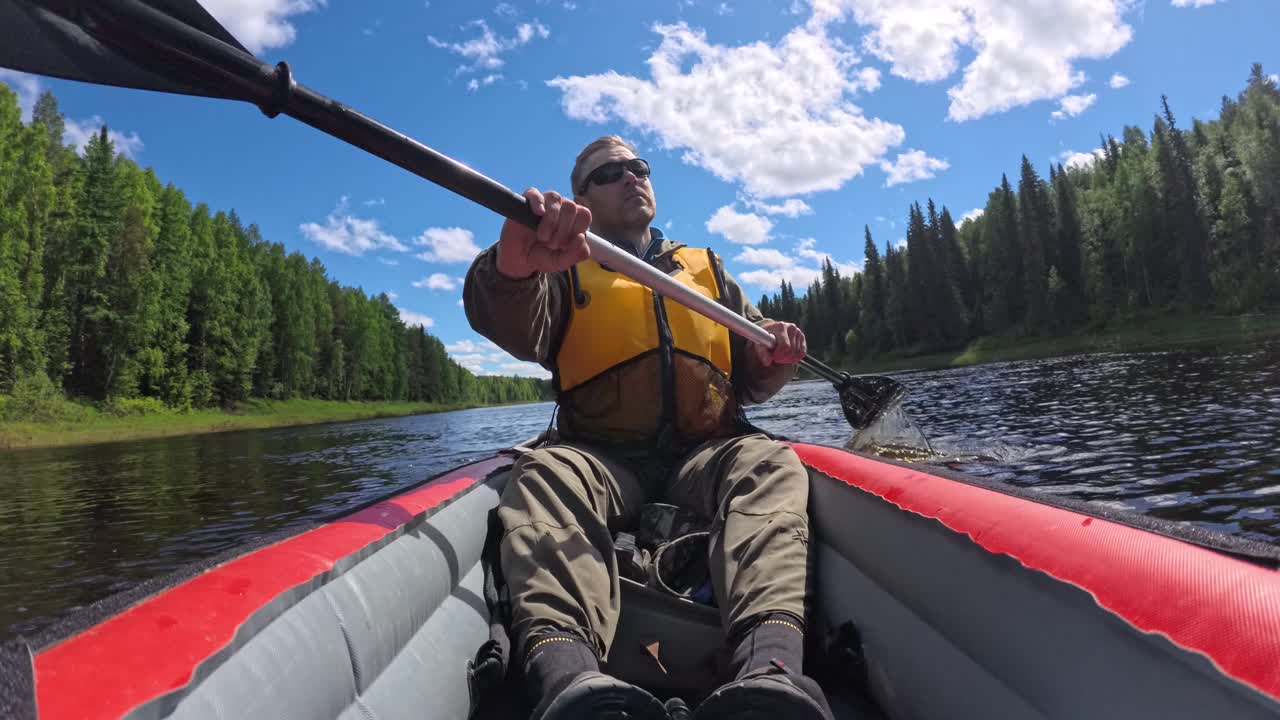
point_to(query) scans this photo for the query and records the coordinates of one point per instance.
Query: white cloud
(1193, 3)
(460, 303)
(724, 9)
(741, 228)
(1024, 50)
(388, 261)
(392, 295)
(261, 24)
(476, 83)
(973, 214)
(485, 52)
(791, 207)
(777, 118)
(1073, 105)
(1072, 159)
(471, 346)
(911, 166)
(768, 257)
(448, 245)
(375, 201)
(1275, 78)
(76, 133)
(1118, 81)
(439, 281)
(774, 266)
(506, 10)
(568, 5)
(26, 86)
(345, 233)
(411, 318)
(523, 369)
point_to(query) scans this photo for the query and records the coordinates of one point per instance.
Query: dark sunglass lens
(638, 167)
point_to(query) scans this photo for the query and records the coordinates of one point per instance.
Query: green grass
(91, 426)
(1150, 332)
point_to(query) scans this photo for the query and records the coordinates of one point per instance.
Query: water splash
(893, 435)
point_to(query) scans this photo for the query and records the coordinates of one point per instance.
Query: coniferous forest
(1171, 219)
(116, 287)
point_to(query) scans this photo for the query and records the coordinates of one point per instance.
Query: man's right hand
(559, 242)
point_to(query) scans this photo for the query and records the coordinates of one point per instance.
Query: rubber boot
(563, 676)
(769, 680)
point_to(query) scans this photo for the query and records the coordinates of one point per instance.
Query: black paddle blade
(101, 42)
(863, 398)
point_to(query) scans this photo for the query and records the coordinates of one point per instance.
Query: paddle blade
(863, 398)
(94, 42)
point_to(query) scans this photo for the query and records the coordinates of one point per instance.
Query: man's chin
(639, 215)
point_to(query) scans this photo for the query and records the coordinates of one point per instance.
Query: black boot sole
(605, 699)
(754, 700)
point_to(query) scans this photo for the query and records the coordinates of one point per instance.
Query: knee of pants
(775, 471)
(545, 481)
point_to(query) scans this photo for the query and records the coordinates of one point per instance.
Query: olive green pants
(563, 503)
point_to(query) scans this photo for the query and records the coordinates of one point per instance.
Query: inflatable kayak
(936, 596)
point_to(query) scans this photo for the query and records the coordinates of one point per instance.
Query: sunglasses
(611, 172)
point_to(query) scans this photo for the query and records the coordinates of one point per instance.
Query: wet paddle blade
(863, 398)
(89, 42)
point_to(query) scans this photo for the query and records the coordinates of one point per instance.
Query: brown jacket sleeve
(755, 384)
(524, 317)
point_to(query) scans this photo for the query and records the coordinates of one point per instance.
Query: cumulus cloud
(1024, 50)
(1084, 161)
(27, 87)
(485, 51)
(1073, 105)
(741, 228)
(411, 318)
(448, 245)
(911, 166)
(471, 346)
(476, 83)
(350, 235)
(791, 207)
(76, 132)
(523, 369)
(973, 214)
(774, 266)
(1118, 81)
(261, 24)
(777, 118)
(438, 281)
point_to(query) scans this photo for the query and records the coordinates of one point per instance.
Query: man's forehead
(607, 154)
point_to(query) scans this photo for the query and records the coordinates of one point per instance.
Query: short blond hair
(579, 173)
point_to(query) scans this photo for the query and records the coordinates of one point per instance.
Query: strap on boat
(487, 671)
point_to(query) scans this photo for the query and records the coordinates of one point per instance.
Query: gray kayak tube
(935, 596)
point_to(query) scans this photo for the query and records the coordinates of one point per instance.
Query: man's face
(629, 202)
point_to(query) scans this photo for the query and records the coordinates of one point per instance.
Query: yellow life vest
(634, 368)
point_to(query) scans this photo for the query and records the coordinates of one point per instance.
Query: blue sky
(775, 128)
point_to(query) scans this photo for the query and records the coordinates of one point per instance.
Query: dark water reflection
(1188, 434)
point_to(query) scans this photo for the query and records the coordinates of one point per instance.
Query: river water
(1190, 434)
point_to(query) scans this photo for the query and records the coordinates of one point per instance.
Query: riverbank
(92, 426)
(1152, 332)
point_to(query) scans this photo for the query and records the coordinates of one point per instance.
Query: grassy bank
(1144, 333)
(88, 425)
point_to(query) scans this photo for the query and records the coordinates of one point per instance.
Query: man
(649, 397)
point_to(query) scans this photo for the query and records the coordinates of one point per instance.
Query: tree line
(1176, 220)
(114, 286)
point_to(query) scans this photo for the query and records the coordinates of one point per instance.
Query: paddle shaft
(274, 90)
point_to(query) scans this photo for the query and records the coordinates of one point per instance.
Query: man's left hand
(790, 348)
